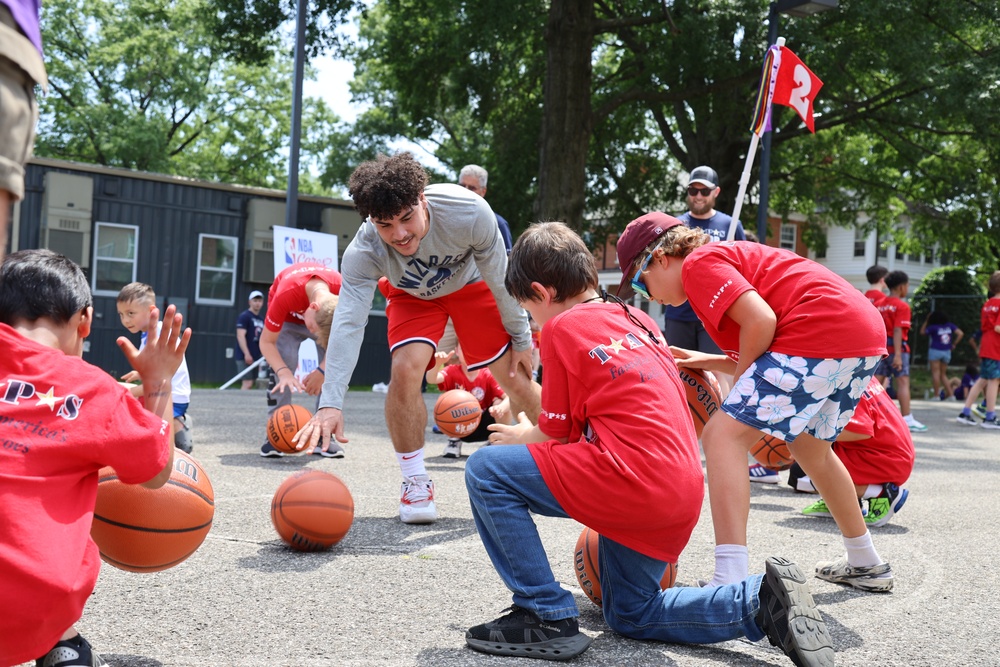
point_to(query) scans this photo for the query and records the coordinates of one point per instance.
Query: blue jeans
(505, 486)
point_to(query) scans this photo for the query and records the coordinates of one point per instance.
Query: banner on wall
(291, 246)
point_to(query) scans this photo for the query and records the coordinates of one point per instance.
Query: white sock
(411, 464)
(732, 564)
(873, 491)
(861, 552)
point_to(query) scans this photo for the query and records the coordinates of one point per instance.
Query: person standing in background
(248, 327)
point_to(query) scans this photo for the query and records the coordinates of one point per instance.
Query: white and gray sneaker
(453, 450)
(877, 578)
(416, 500)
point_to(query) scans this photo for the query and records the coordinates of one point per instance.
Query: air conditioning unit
(67, 215)
(342, 223)
(263, 215)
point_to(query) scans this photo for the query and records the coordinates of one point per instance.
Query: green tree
(145, 85)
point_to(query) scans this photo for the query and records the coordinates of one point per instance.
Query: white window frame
(221, 269)
(98, 226)
(795, 236)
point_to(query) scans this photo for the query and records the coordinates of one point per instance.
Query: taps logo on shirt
(19, 392)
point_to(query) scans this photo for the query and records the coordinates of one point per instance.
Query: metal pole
(765, 153)
(292, 198)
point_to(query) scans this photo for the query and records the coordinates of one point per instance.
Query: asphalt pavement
(401, 596)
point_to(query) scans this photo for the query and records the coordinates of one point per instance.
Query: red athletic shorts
(472, 309)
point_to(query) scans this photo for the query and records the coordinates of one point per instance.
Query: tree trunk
(566, 124)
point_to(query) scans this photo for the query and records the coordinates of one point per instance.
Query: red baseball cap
(638, 235)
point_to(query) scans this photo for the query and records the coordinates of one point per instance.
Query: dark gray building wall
(170, 213)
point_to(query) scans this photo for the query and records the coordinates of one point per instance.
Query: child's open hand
(505, 434)
(164, 350)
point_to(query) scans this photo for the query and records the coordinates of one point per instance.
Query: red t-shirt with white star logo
(631, 467)
(484, 386)
(61, 421)
(287, 300)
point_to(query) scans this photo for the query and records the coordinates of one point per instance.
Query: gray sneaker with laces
(877, 579)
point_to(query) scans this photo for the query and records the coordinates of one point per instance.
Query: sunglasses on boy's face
(637, 284)
(694, 190)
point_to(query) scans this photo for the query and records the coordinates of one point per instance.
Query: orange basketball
(148, 530)
(284, 423)
(457, 413)
(772, 453)
(312, 510)
(702, 395)
(588, 569)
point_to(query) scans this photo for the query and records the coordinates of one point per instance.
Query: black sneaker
(523, 634)
(74, 652)
(268, 450)
(789, 617)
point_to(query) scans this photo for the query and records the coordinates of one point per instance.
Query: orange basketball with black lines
(312, 510)
(283, 424)
(457, 413)
(703, 395)
(586, 565)
(773, 453)
(148, 530)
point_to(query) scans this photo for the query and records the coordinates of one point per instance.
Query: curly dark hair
(383, 187)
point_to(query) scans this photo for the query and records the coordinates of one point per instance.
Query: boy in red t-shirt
(780, 320)
(481, 384)
(989, 357)
(896, 315)
(877, 450)
(599, 455)
(876, 284)
(61, 421)
(300, 306)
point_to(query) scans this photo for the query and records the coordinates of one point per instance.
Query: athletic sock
(967, 412)
(411, 464)
(861, 552)
(732, 564)
(873, 491)
(991, 415)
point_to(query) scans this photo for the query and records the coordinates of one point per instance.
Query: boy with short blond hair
(61, 421)
(601, 449)
(135, 302)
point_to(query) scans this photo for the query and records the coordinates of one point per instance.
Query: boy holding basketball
(801, 342)
(61, 421)
(493, 402)
(601, 450)
(135, 302)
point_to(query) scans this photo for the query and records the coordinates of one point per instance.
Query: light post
(800, 8)
(292, 197)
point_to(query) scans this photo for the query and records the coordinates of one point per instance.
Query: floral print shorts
(784, 396)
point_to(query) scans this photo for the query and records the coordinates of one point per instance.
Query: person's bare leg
(525, 394)
(726, 443)
(405, 411)
(903, 394)
(832, 481)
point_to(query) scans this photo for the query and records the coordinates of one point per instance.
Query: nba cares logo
(295, 248)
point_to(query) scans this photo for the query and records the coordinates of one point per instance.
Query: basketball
(312, 510)
(588, 570)
(772, 453)
(702, 395)
(149, 530)
(457, 413)
(284, 423)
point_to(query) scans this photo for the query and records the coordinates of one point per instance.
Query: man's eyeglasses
(637, 284)
(694, 190)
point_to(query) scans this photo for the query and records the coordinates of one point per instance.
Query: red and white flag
(796, 87)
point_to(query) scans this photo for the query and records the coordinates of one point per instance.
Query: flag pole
(768, 83)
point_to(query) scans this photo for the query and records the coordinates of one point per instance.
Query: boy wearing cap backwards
(248, 327)
(600, 450)
(300, 306)
(781, 321)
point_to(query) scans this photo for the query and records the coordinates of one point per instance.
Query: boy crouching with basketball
(61, 421)
(599, 455)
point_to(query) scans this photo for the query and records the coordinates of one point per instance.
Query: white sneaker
(416, 500)
(453, 450)
(914, 424)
